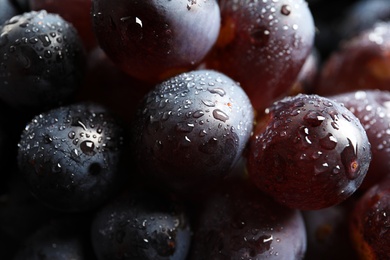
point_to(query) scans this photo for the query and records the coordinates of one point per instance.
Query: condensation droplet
(218, 91)
(285, 10)
(349, 160)
(88, 147)
(220, 115)
(328, 142)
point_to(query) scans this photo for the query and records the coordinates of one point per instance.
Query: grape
(141, 225)
(263, 45)
(360, 63)
(328, 232)
(154, 40)
(202, 155)
(191, 129)
(42, 61)
(309, 152)
(369, 223)
(371, 108)
(72, 157)
(239, 222)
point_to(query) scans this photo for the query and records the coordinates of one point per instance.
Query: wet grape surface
(194, 129)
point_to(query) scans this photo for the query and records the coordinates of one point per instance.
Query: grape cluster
(195, 129)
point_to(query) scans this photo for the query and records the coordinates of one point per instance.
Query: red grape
(263, 45)
(309, 153)
(156, 39)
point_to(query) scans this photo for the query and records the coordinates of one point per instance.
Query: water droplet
(47, 54)
(314, 118)
(57, 168)
(218, 91)
(47, 139)
(220, 115)
(285, 10)
(349, 160)
(198, 114)
(328, 142)
(208, 103)
(184, 127)
(88, 147)
(44, 38)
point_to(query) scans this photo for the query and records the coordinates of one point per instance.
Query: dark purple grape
(42, 61)
(153, 40)
(62, 239)
(328, 232)
(192, 129)
(72, 156)
(371, 107)
(369, 224)
(263, 45)
(309, 152)
(141, 225)
(239, 222)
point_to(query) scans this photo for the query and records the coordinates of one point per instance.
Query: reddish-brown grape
(369, 224)
(263, 45)
(371, 107)
(309, 152)
(362, 62)
(156, 39)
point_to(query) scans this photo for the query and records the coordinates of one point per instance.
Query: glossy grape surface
(309, 152)
(76, 12)
(360, 63)
(141, 226)
(72, 156)
(372, 108)
(156, 39)
(192, 129)
(369, 223)
(239, 222)
(42, 61)
(263, 45)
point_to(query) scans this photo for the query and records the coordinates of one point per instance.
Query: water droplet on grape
(285, 10)
(349, 160)
(314, 118)
(208, 103)
(218, 91)
(184, 127)
(328, 142)
(220, 115)
(88, 147)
